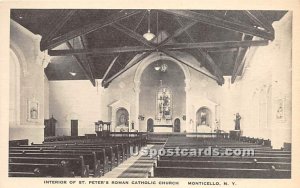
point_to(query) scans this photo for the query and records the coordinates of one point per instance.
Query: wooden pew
(104, 155)
(126, 144)
(38, 170)
(265, 162)
(96, 169)
(224, 164)
(228, 158)
(54, 167)
(132, 142)
(18, 142)
(95, 152)
(121, 150)
(255, 151)
(187, 172)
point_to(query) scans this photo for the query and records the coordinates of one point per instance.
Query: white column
(187, 89)
(137, 105)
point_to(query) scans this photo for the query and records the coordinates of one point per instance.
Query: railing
(211, 135)
(153, 136)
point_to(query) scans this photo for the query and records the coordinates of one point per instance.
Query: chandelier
(163, 67)
(149, 36)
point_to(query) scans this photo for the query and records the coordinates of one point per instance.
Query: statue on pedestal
(237, 122)
(203, 118)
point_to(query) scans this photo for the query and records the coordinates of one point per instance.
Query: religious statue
(202, 118)
(123, 120)
(237, 121)
(217, 125)
(33, 113)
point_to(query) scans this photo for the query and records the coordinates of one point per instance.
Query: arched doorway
(177, 125)
(150, 123)
(203, 117)
(153, 59)
(122, 119)
(162, 94)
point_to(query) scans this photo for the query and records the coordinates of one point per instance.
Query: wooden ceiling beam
(223, 44)
(257, 17)
(132, 34)
(218, 50)
(178, 32)
(238, 58)
(239, 68)
(139, 38)
(89, 28)
(108, 69)
(56, 25)
(140, 21)
(222, 23)
(198, 69)
(206, 56)
(90, 64)
(81, 65)
(177, 46)
(100, 51)
(134, 62)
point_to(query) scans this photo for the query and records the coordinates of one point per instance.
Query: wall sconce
(141, 117)
(184, 117)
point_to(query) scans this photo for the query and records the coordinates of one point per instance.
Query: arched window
(14, 89)
(164, 104)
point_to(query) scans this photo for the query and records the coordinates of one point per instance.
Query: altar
(163, 128)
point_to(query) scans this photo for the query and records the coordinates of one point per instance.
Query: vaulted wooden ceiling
(99, 43)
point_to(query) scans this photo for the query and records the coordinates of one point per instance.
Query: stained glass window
(164, 104)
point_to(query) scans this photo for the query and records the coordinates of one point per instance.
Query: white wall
(77, 100)
(25, 46)
(46, 98)
(267, 78)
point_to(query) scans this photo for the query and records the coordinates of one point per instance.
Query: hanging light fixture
(148, 36)
(72, 72)
(160, 67)
(157, 67)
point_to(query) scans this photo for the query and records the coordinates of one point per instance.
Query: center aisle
(134, 167)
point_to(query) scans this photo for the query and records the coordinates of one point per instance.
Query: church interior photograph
(150, 93)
